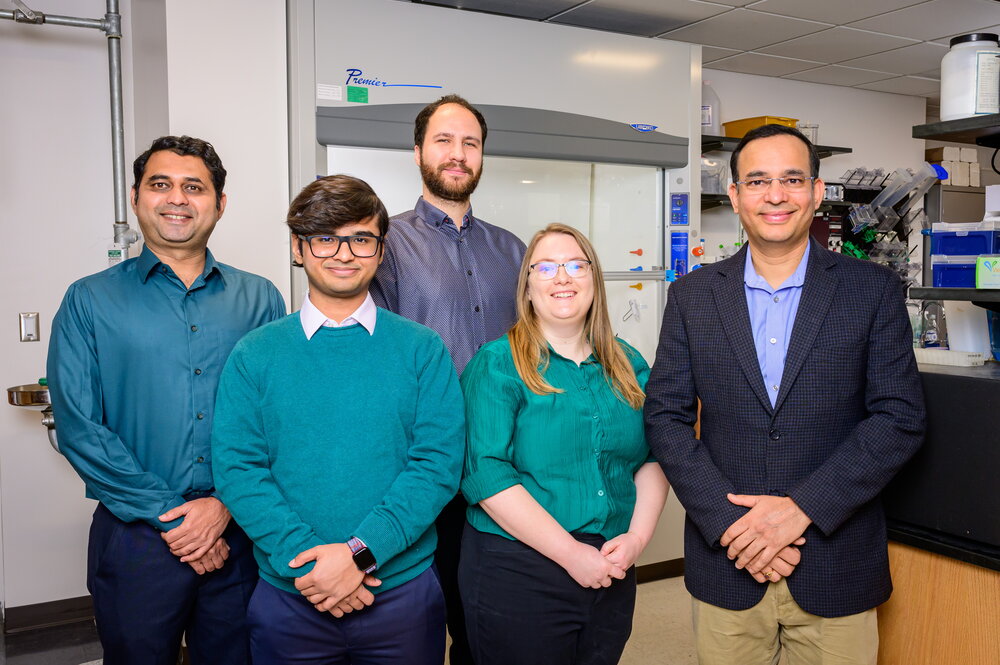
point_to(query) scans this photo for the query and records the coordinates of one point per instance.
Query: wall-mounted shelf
(728, 144)
(709, 201)
(985, 298)
(981, 130)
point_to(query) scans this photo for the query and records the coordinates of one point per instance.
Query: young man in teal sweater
(338, 438)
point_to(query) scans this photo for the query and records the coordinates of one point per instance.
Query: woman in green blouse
(563, 493)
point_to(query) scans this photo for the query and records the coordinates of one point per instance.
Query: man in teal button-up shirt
(134, 361)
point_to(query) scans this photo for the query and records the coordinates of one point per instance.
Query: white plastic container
(711, 122)
(970, 77)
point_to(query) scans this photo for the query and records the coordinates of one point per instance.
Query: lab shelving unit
(942, 509)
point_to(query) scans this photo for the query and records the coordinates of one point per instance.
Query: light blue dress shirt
(133, 366)
(772, 315)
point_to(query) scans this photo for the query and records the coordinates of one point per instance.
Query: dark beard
(436, 185)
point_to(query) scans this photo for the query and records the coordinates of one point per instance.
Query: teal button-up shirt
(575, 452)
(133, 366)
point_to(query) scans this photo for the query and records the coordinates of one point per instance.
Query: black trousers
(450, 524)
(523, 608)
(145, 598)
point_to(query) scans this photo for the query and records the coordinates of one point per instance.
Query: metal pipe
(113, 30)
(73, 21)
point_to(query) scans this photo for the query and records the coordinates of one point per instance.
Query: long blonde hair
(529, 347)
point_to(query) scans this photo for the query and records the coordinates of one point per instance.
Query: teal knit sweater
(346, 434)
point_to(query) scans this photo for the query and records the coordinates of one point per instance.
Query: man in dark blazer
(810, 403)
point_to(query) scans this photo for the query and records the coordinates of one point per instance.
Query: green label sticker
(357, 94)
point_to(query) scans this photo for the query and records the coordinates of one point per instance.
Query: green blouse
(575, 452)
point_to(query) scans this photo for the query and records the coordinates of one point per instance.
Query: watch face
(364, 560)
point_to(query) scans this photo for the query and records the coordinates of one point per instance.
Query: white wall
(876, 125)
(226, 65)
(227, 85)
(56, 212)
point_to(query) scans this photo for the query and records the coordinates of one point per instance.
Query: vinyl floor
(661, 634)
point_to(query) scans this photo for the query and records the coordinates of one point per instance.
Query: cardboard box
(974, 175)
(943, 154)
(960, 176)
(993, 197)
(968, 155)
(950, 168)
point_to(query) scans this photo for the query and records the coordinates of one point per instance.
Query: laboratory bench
(943, 511)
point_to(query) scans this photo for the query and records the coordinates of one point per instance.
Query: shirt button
(776, 298)
(200, 460)
(583, 387)
(773, 340)
(774, 435)
(468, 272)
(201, 415)
(477, 308)
(774, 387)
(197, 371)
(194, 328)
(596, 417)
(600, 492)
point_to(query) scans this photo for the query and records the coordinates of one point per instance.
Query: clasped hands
(198, 540)
(335, 584)
(766, 540)
(594, 568)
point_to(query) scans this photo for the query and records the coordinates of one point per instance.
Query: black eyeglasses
(323, 247)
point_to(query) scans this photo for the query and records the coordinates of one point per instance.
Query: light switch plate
(29, 327)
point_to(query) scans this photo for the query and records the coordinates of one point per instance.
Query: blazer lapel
(817, 295)
(731, 302)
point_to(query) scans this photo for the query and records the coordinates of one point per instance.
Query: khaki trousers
(777, 626)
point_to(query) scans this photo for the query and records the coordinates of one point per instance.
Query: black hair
(184, 146)
(767, 131)
(424, 117)
(327, 203)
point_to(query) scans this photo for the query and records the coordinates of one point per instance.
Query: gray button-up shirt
(459, 282)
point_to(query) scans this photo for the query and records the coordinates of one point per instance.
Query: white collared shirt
(312, 319)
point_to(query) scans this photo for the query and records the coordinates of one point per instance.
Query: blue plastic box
(954, 271)
(968, 239)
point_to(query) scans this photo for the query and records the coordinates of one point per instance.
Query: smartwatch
(363, 557)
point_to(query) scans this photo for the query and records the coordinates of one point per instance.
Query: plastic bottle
(711, 122)
(970, 77)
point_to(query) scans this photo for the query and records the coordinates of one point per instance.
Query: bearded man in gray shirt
(454, 273)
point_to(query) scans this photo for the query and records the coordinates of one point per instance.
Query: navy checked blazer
(849, 413)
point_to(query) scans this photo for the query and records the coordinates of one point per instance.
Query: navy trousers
(522, 608)
(404, 626)
(145, 598)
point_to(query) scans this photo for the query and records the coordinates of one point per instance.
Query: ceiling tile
(836, 44)
(535, 9)
(763, 65)
(840, 12)
(912, 59)
(713, 53)
(935, 19)
(905, 85)
(837, 75)
(639, 17)
(744, 30)
(735, 3)
(932, 74)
